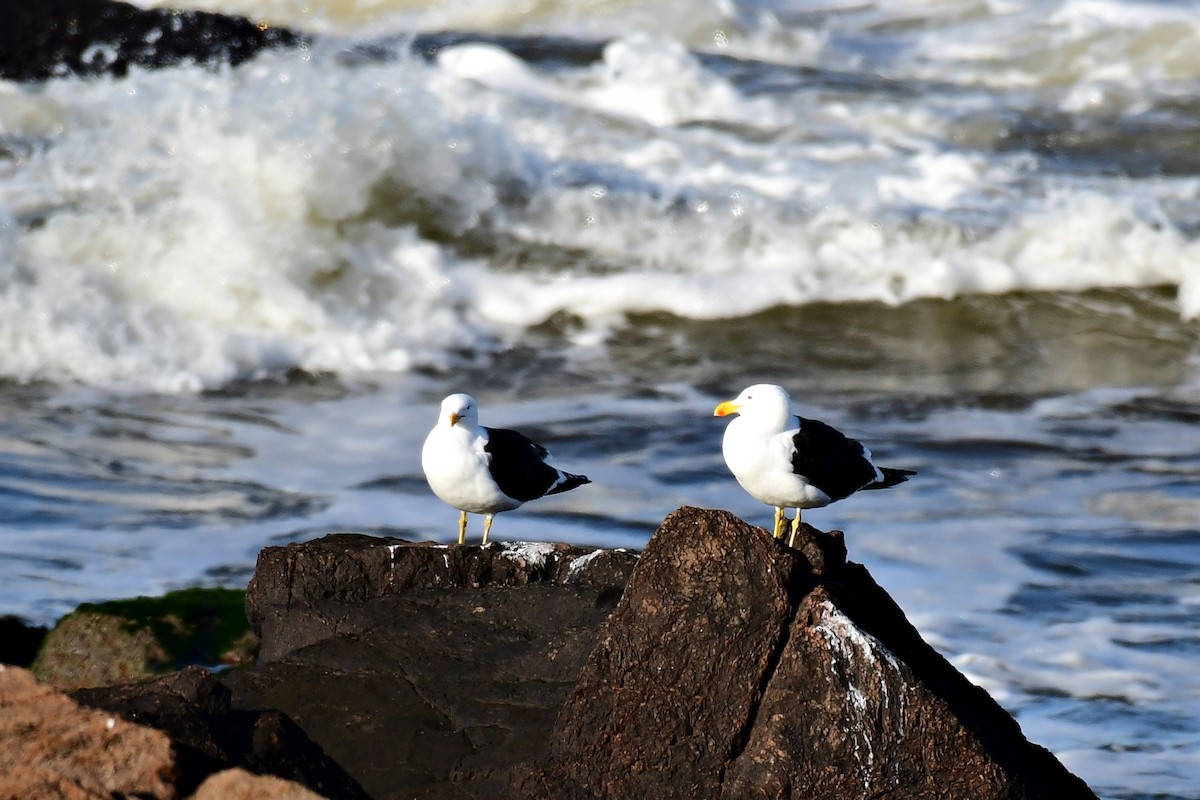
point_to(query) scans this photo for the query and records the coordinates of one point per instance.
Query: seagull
(790, 462)
(486, 470)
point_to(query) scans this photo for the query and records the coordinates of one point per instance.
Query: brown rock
(843, 717)
(673, 682)
(51, 748)
(237, 784)
(735, 667)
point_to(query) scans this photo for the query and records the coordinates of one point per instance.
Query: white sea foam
(222, 232)
(180, 229)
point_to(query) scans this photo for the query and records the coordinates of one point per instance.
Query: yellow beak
(454, 418)
(726, 408)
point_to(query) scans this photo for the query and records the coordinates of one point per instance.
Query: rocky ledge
(718, 664)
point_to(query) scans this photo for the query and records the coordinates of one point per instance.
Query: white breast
(762, 463)
(456, 467)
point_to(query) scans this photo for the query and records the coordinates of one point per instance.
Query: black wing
(830, 460)
(518, 466)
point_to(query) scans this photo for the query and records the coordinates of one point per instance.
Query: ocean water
(965, 232)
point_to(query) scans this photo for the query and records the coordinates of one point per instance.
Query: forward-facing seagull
(486, 470)
(790, 462)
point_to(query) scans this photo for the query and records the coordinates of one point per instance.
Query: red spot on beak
(725, 409)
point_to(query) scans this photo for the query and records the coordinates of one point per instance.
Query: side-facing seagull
(486, 470)
(790, 462)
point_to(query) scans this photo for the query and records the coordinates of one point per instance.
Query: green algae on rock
(118, 641)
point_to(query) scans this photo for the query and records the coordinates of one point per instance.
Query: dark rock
(735, 667)
(193, 709)
(353, 568)
(19, 641)
(123, 641)
(53, 38)
(425, 670)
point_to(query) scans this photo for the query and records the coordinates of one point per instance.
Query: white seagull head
(763, 403)
(459, 409)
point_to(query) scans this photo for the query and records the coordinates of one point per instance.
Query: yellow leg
(777, 531)
(462, 528)
(795, 529)
(487, 526)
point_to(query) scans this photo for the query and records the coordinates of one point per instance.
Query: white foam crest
(657, 80)
(1087, 659)
(712, 262)
(498, 69)
(229, 230)
(1088, 51)
(641, 78)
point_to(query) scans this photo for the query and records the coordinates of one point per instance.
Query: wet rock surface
(54, 38)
